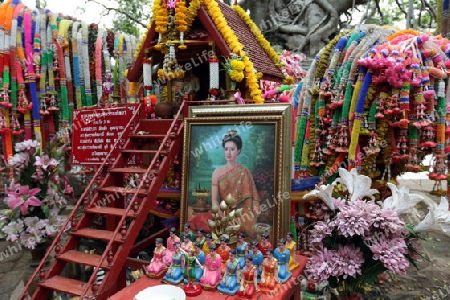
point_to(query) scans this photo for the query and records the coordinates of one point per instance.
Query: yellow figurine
(290, 245)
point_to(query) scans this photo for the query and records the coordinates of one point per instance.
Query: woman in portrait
(291, 245)
(175, 273)
(236, 180)
(171, 240)
(229, 283)
(269, 275)
(241, 249)
(211, 271)
(282, 255)
(157, 265)
(248, 285)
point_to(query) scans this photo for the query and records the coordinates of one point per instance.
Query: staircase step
(111, 211)
(147, 136)
(128, 170)
(98, 234)
(65, 285)
(142, 151)
(82, 258)
(156, 126)
(121, 190)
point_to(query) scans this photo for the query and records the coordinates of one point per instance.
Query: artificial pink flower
(23, 197)
(44, 162)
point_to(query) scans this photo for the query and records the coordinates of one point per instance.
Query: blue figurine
(175, 273)
(229, 283)
(241, 250)
(200, 256)
(282, 255)
(257, 258)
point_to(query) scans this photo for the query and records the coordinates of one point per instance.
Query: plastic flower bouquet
(235, 65)
(358, 239)
(35, 197)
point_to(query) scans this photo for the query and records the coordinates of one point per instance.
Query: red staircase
(151, 148)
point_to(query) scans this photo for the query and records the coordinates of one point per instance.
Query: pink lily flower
(23, 197)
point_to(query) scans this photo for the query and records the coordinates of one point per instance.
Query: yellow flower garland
(235, 46)
(265, 44)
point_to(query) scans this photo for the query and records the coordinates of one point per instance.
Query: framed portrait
(236, 170)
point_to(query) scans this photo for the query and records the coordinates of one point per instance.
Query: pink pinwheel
(23, 197)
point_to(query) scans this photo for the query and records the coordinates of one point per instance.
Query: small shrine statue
(229, 283)
(200, 237)
(171, 240)
(187, 231)
(211, 270)
(157, 267)
(248, 284)
(291, 246)
(264, 244)
(257, 258)
(187, 246)
(269, 273)
(223, 250)
(201, 257)
(175, 273)
(208, 242)
(282, 255)
(241, 249)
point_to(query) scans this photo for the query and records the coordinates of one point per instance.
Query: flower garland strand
(236, 47)
(61, 46)
(273, 55)
(76, 64)
(31, 76)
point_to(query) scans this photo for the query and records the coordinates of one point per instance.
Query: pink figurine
(157, 267)
(171, 240)
(212, 268)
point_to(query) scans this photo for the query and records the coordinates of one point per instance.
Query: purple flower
(320, 265)
(391, 252)
(352, 219)
(348, 262)
(319, 232)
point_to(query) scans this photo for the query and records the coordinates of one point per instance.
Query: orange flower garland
(236, 47)
(274, 56)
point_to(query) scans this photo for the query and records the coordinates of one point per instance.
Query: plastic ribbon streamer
(382, 108)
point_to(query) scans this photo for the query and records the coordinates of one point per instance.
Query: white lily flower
(357, 185)
(323, 192)
(429, 222)
(442, 212)
(401, 201)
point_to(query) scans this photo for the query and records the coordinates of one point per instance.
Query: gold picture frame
(263, 164)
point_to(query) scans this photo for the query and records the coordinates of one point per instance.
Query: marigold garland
(236, 47)
(273, 55)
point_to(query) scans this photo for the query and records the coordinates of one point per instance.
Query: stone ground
(431, 281)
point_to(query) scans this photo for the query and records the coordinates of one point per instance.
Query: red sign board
(96, 130)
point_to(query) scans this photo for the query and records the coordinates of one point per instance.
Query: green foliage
(395, 12)
(132, 16)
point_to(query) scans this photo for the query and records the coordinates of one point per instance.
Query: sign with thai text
(96, 130)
